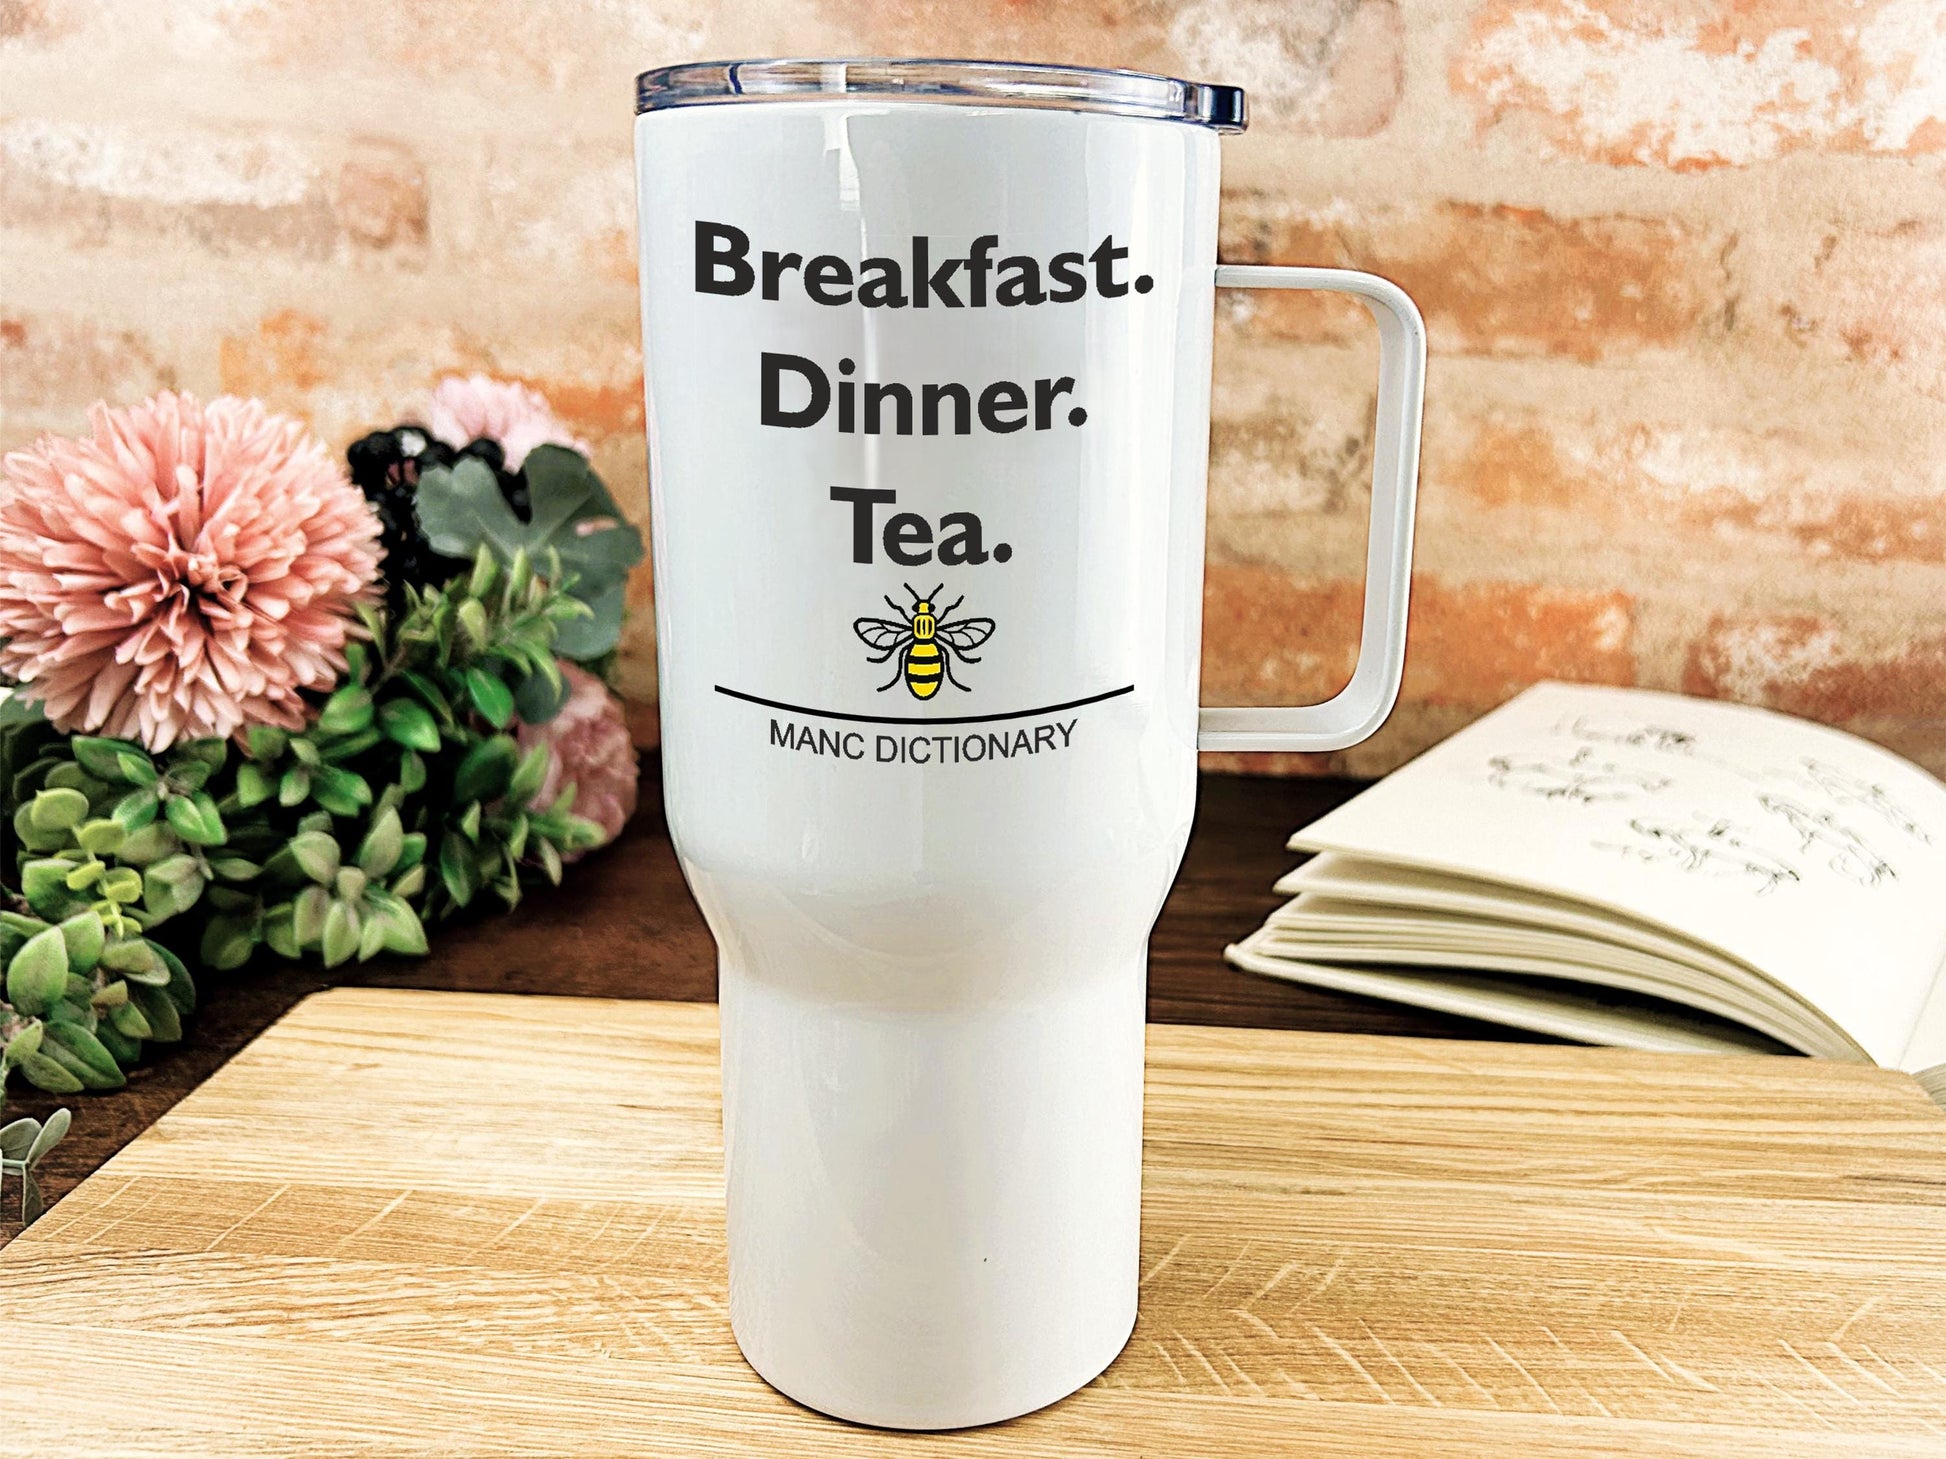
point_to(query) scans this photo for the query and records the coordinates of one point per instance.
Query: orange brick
(1477, 644)
(52, 367)
(245, 190)
(1710, 83)
(1329, 70)
(1270, 638)
(1873, 297)
(1697, 482)
(1808, 665)
(381, 199)
(1493, 280)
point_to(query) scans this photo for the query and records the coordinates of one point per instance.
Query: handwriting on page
(1760, 826)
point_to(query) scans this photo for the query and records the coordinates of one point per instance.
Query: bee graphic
(922, 643)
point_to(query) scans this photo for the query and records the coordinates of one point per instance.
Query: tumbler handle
(1361, 706)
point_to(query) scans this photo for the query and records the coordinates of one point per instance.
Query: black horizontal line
(896, 719)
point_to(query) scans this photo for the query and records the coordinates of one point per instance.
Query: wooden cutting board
(476, 1224)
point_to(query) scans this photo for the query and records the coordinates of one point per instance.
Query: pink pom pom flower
(466, 407)
(186, 571)
(589, 748)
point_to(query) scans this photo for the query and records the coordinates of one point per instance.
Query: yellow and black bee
(922, 643)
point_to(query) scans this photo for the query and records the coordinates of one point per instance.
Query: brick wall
(1684, 267)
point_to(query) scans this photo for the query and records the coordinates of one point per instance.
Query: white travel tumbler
(928, 359)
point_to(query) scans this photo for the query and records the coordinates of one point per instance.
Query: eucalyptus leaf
(572, 517)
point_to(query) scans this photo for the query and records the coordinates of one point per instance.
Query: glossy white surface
(932, 972)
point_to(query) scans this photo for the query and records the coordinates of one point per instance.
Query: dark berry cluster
(386, 466)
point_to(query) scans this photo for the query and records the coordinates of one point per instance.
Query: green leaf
(456, 868)
(409, 723)
(130, 1020)
(38, 975)
(172, 885)
(410, 882)
(44, 1073)
(185, 818)
(235, 868)
(135, 959)
(590, 635)
(528, 775)
(59, 810)
(472, 616)
(350, 885)
(22, 1044)
(434, 697)
(340, 791)
(371, 937)
(214, 831)
(137, 768)
(102, 758)
(254, 785)
(212, 752)
(109, 996)
(45, 885)
(412, 850)
(491, 696)
(188, 775)
(32, 836)
(295, 786)
(305, 752)
(572, 515)
(349, 747)
(550, 862)
(103, 837)
(137, 810)
(280, 931)
(412, 772)
(479, 582)
(165, 1019)
(228, 941)
(267, 742)
(347, 711)
(405, 934)
(70, 776)
(307, 915)
(469, 821)
(181, 991)
(486, 770)
(379, 852)
(51, 1134)
(341, 929)
(151, 843)
(541, 696)
(123, 884)
(126, 1049)
(85, 937)
(82, 1052)
(317, 853)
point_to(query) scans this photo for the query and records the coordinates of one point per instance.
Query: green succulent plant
(571, 518)
(406, 800)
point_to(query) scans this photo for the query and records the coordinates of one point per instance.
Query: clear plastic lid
(966, 83)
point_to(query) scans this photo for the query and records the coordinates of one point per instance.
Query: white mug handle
(1361, 706)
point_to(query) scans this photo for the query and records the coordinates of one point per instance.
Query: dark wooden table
(623, 926)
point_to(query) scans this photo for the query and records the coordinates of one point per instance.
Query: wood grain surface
(422, 1222)
(623, 926)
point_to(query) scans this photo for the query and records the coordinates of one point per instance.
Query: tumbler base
(934, 1214)
(972, 1415)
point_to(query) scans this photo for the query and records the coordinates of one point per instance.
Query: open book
(1626, 867)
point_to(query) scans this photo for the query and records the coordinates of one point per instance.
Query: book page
(1800, 851)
